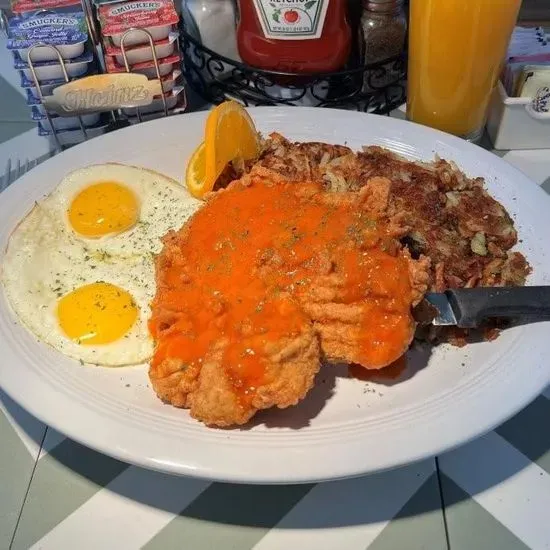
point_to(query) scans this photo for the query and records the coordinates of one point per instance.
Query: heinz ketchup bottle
(298, 36)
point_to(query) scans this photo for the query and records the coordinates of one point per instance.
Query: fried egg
(79, 269)
(121, 210)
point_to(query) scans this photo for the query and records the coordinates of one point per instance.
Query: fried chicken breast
(208, 389)
(269, 278)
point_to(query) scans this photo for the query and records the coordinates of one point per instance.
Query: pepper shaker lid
(382, 5)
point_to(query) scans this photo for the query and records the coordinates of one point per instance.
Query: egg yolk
(103, 208)
(98, 313)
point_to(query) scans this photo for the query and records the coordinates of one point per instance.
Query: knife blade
(469, 307)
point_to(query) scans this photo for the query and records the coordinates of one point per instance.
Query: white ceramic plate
(345, 427)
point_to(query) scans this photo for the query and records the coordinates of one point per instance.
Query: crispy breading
(291, 367)
(210, 395)
(341, 325)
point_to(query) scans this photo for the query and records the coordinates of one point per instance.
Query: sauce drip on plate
(261, 260)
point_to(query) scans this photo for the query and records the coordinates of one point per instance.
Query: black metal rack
(378, 88)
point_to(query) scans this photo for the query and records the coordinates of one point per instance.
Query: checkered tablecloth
(493, 493)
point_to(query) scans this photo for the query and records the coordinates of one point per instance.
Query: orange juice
(456, 50)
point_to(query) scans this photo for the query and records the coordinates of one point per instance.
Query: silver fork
(13, 173)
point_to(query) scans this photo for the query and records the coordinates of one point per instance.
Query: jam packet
(69, 137)
(166, 66)
(157, 17)
(47, 87)
(67, 32)
(157, 105)
(142, 52)
(63, 123)
(20, 6)
(51, 70)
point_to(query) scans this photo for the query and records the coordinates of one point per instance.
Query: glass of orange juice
(456, 51)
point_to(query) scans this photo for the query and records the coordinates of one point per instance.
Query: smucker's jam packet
(28, 83)
(20, 6)
(140, 53)
(116, 19)
(68, 32)
(51, 70)
(19, 63)
(166, 66)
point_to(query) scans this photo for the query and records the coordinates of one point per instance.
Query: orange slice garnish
(229, 135)
(195, 174)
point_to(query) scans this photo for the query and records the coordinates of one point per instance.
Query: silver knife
(469, 307)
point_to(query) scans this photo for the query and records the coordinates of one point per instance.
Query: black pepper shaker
(382, 34)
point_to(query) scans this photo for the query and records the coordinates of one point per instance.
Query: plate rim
(37, 408)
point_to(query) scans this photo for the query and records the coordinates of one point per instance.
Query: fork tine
(25, 168)
(6, 179)
(12, 173)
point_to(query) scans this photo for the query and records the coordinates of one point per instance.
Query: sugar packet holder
(157, 17)
(512, 75)
(519, 122)
(67, 33)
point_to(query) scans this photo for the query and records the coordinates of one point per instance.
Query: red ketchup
(299, 36)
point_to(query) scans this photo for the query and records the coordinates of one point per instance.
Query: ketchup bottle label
(291, 19)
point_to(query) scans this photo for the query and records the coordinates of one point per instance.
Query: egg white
(163, 205)
(46, 259)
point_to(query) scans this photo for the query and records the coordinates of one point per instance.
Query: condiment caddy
(58, 50)
(51, 46)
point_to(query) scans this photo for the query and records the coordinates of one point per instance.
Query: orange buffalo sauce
(239, 277)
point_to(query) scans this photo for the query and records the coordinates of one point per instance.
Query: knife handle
(471, 306)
